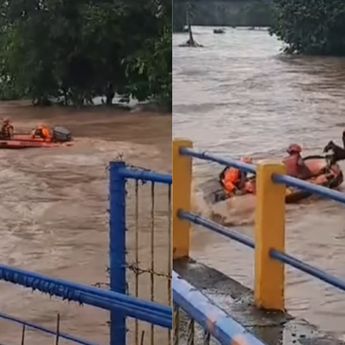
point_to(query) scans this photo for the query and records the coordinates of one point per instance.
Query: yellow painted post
(182, 191)
(269, 234)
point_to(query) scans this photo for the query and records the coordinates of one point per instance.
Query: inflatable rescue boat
(61, 136)
(324, 175)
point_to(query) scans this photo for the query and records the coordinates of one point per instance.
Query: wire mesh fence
(140, 246)
(148, 256)
(28, 332)
(188, 332)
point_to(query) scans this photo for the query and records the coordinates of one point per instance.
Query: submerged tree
(76, 50)
(189, 15)
(311, 27)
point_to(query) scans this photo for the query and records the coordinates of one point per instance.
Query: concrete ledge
(237, 300)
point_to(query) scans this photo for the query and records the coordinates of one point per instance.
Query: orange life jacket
(47, 133)
(44, 132)
(231, 178)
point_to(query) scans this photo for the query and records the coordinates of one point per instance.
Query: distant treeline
(223, 13)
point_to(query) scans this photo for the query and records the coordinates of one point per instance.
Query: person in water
(235, 181)
(7, 129)
(295, 165)
(43, 132)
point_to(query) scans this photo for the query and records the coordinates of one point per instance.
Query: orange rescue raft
(62, 137)
(331, 177)
(15, 144)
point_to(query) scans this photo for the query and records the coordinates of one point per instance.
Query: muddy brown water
(53, 211)
(240, 96)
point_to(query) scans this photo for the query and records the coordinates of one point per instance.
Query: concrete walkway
(237, 301)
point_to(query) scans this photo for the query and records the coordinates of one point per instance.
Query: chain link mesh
(189, 332)
(148, 254)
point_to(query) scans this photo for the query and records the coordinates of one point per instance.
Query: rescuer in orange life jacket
(235, 181)
(295, 165)
(44, 132)
(7, 129)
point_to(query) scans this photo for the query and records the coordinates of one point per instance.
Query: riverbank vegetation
(311, 27)
(74, 51)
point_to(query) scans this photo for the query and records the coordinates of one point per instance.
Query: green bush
(315, 27)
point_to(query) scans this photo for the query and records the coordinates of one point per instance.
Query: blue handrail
(239, 237)
(285, 258)
(222, 230)
(281, 179)
(115, 300)
(309, 187)
(145, 175)
(143, 310)
(306, 268)
(226, 162)
(119, 174)
(209, 316)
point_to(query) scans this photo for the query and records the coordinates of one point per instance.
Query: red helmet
(294, 148)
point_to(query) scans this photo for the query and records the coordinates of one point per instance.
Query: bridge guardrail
(269, 242)
(29, 326)
(134, 234)
(215, 323)
(118, 300)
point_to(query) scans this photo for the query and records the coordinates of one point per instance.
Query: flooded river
(53, 209)
(239, 95)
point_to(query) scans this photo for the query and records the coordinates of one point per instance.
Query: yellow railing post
(182, 191)
(269, 233)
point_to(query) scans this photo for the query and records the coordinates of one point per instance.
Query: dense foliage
(76, 50)
(311, 26)
(223, 12)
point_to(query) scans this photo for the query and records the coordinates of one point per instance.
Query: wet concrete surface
(273, 328)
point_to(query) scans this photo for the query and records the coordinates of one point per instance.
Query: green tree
(148, 64)
(76, 50)
(315, 27)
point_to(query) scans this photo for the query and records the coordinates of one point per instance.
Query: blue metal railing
(239, 237)
(211, 158)
(304, 267)
(247, 241)
(144, 175)
(212, 319)
(116, 299)
(119, 173)
(222, 230)
(308, 187)
(84, 294)
(286, 180)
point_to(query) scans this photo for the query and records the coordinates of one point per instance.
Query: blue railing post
(117, 248)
